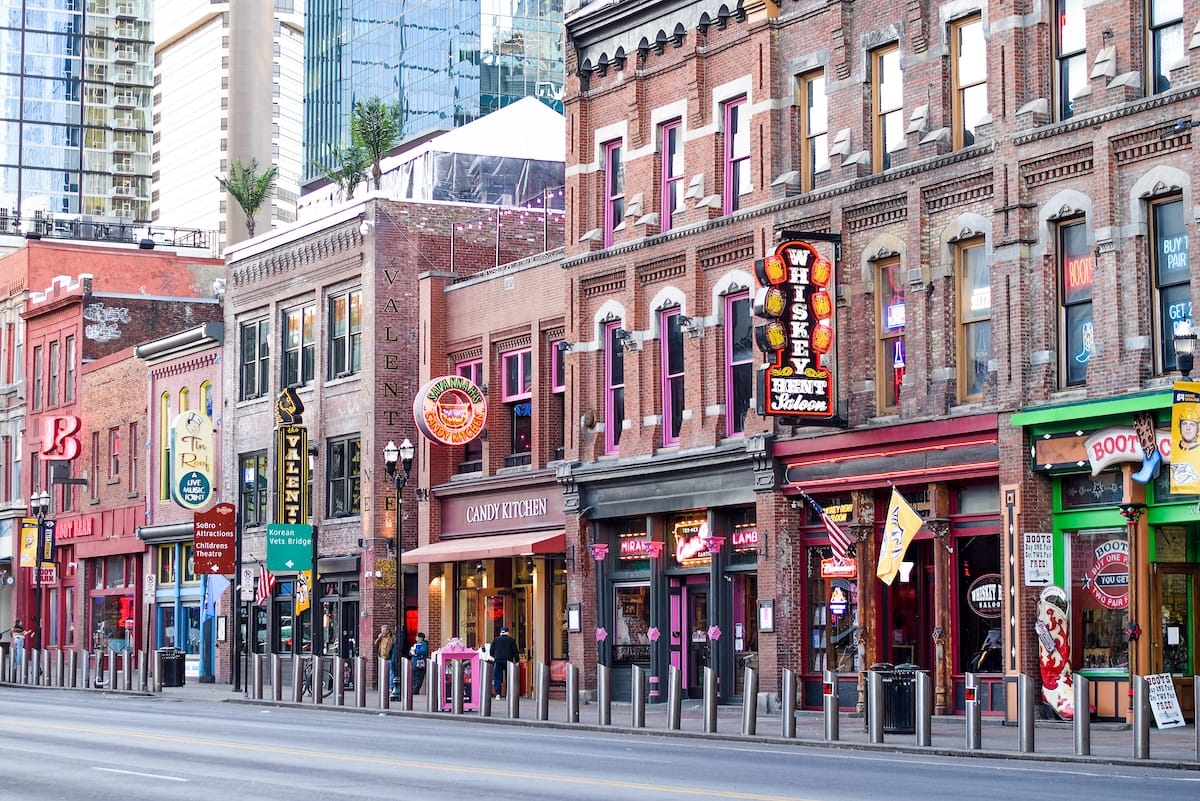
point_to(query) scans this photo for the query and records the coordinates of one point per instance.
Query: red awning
(491, 547)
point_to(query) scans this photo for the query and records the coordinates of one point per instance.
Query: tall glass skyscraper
(75, 90)
(447, 62)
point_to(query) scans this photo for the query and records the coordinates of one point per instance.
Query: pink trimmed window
(614, 387)
(614, 190)
(672, 375)
(473, 450)
(557, 425)
(517, 394)
(737, 153)
(671, 191)
(739, 362)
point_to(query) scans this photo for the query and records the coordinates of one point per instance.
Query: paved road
(60, 744)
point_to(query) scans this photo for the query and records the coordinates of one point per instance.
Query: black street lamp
(1185, 347)
(403, 455)
(39, 502)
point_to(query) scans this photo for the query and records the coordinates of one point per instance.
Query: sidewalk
(1111, 743)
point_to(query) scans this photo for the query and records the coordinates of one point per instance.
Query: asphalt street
(88, 746)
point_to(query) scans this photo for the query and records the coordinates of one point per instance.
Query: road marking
(453, 770)
(144, 775)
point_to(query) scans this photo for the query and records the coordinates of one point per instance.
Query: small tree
(249, 187)
(375, 127)
(349, 170)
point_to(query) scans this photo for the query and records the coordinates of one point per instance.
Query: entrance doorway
(909, 609)
(1177, 599)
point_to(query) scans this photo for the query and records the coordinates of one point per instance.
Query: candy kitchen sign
(796, 299)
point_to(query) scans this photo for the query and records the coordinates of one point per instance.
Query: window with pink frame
(614, 190)
(517, 394)
(739, 362)
(557, 426)
(672, 188)
(672, 375)
(473, 450)
(614, 387)
(737, 153)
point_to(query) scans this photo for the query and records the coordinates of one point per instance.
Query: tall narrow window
(114, 453)
(10, 338)
(185, 399)
(133, 457)
(252, 468)
(673, 184)
(814, 126)
(672, 375)
(887, 103)
(1076, 268)
(18, 354)
(69, 383)
(739, 360)
(517, 395)
(342, 477)
(206, 398)
(254, 359)
(164, 447)
(38, 369)
(614, 387)
(614, 190)
(473, 450)
(1166, 41)
(345, 334)
(557, 426)
(969, 73)
(737, 153)
(299, 346)
(1070, 53)
(1172, 275)
(94, 484)
(974, 319)
(891, 358)
(52, 383)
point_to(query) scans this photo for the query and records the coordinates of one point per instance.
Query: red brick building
(1000, 204)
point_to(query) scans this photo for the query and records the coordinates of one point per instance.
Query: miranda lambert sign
(795, 297)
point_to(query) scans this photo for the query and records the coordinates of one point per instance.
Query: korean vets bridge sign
(289, 547)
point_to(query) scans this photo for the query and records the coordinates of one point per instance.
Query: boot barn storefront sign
(795, 298)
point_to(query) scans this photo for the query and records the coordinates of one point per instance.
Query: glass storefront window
(166, 626)
(467, 604)
(833, 618)
(558, 609)
(980, 597)
(189, 574)
(112, 620)
(114, 572)
(1099, 574)
(166, 565)
(631, 640)
(190, 635)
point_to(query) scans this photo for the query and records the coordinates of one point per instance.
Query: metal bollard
(456, 687)
(73, 670)
(318, 679)
(43, 678)
(126, 672)
(112, 671)
(830, 704)
(404, 680)
(297, 679)
(360, 681)
(604, 694)
(637, 698)
(485, 683)
(339, 681)
(749, 701)
(143, 671)
(158, 671)
(1141, 719)
(572, 694)
(710, 700)
(276, 678)
(514, 690)
(788, 702)
(259, 663)
(875, 706)
(674, 698)
(974, 714)
(542, 671)
(924, 711)
(1082, 722)
(59, 665)
(385, 693)
(1025, 714)
(434, 683)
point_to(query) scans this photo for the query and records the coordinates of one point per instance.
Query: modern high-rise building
(75, 84)
(228, 83)
(447, 62)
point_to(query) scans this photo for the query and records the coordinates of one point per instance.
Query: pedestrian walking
(18, 638)
(385, 648)
(420, 660)
(503, 650)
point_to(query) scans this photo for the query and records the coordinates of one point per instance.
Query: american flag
(837, 538)
(266, 586)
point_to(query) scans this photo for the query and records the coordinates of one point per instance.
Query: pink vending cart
(472, 687)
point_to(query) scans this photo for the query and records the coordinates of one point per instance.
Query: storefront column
(719, 650)
(863, 534)
(943, 634)
(1132, 512)
(660, 617)
(599, 554)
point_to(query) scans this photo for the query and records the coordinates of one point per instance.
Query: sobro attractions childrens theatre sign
(796, 298)
(451, 410)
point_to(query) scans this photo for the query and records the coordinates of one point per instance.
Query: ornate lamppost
(398, 463)
(39, 502)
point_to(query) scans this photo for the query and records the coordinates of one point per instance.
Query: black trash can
(899, 698)
(172, 661)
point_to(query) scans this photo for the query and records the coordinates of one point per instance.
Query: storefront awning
(493, 547)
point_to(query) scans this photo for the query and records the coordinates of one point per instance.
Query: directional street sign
(215, 541)
(289, 547)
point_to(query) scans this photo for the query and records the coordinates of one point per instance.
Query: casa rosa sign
(450, 409)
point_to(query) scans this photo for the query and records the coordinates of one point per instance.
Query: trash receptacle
(172, 661)
(899, 697)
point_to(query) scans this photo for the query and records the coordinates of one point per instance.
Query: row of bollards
(78, 669)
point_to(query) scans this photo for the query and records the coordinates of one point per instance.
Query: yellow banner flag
(1185, 438)
(901, 526)
(29, 541)
(303, 595)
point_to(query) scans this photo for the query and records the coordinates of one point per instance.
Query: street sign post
(214, 548)
(289, 547)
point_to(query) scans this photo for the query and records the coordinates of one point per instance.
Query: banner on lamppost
(1185, 438)
(29, 542)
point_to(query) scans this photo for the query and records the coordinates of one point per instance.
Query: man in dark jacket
(503, 651)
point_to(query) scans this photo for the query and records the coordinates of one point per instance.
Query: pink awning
(495, 546)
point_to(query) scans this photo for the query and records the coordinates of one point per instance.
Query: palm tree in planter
(349, 170)
(249, 187)
(376, 128)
